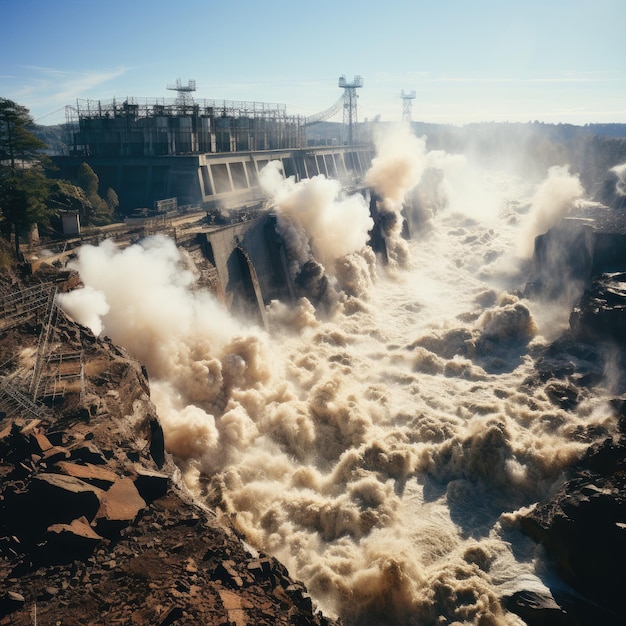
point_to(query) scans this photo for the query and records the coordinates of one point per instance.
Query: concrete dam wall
(250, 263)
(223, 180)
(243, 262)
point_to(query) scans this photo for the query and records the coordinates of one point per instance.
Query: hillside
(95, 523)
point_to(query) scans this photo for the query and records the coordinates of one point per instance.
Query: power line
(50, 114)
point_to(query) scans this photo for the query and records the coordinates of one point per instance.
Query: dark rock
(227, 573)
(560, 607)
(538, 609)
(68, 493)
(173, 614)
(14, 443)
(604, 458)
(567, 359)
(67, 542)
(562, 260)
(157, 443)
(583, 530)
(11, 602)
(257, 570)
(40, 442)
(54, 454)
(50, 499)
(89, 453)
(48, 593)
(151, 485)
(188, 520)
(300, 598)
(84, 415)
(601, 312)
(263, 570)
(619, 406)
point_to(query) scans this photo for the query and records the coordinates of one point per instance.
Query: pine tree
(23, 184)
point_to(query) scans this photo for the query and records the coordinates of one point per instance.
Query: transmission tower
(184, 97)
(407, 105)
(349, 103)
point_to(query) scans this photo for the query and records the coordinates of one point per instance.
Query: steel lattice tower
(407, 105)
(349, 103)
(184, 97)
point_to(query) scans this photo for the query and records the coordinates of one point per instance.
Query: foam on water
(382, 452)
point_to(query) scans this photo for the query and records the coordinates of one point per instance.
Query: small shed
(70, 221)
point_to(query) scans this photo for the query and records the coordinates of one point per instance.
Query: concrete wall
(213, 180)
(248, 260)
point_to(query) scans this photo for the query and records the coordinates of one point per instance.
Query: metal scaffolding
(55, 371)
(19, 306)
(158, 127)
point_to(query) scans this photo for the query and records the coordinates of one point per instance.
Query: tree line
(29, 194)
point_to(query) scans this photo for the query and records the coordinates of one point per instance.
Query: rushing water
(382, 448)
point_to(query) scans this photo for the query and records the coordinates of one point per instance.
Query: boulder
(50, 499)
(538, 608)
(583, 530)
(157, 443)
(300, 597)
(11, 602)
(55, 454)
(150, 485)
(68, 542)
(227, 573)
(92, 474)
(66, 492)
(119, 507)
(601, 312)
(40, 442)
(89, 453)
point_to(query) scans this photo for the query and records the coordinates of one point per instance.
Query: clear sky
(467, 60)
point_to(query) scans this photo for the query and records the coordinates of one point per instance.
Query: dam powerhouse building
(204, 153)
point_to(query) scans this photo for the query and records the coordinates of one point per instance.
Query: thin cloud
(76, 83)
(50, 88)
(589, 78)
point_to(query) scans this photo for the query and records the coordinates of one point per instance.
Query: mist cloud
(397, 168)
(620, 172)
(195, 351)
(553, 200)
(315, 219)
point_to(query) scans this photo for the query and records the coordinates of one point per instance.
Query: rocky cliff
(95, 526)
(582, 528)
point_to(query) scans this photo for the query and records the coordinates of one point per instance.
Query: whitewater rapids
(383, 450)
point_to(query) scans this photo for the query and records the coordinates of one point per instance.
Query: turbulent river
(383, 447)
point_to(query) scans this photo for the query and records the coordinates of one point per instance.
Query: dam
(206, 153)
(170, 158)
(386, 452)
(221, 180)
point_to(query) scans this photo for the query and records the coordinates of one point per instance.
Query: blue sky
(467, 60)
